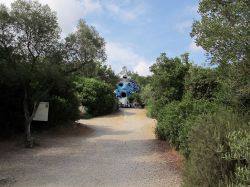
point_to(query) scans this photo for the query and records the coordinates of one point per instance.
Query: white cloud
(119, 56)
(101, 28)
(126, 13)
(142, 68)
(183, 26)
(69, 11)
(92, 6)
(194, 48)
(6, 2)
(192, 9)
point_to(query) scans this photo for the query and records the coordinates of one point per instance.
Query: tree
(29, 33)
(34, 63)
(167, 80)
(85, 48)
(140, 80)
(97, 96)
(106, 74)
(223, 31)
(202, 83)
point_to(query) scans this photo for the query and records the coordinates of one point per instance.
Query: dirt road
(115, 151)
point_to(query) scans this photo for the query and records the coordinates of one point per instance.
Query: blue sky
(135, 31)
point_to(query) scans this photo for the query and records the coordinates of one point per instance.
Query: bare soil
(115, 150)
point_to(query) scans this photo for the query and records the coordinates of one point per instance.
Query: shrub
(220, 151)
(176, 119)
(11, 109)
(64, 103)
(136, 97)
(97, 96)
(149, 110)
(167, 81)
(202, 83)
(154, 107)
(63, 109)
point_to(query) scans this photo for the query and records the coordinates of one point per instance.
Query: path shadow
(147, 158)
(99, 131)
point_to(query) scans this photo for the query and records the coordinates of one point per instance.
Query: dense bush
(151, 110)
(63, 109)
(11, 105)
(11, 109)
(147, 100)
(215, 143)
(235, 83)
(167, 81)
(136, 97)
(202, 83)
(64, 103)
(96, 96)
(176, 119)
(220, 151)
(35, 66)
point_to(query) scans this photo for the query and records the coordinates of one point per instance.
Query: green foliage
(219, 143)
(37, 29)
(215, 143)
(168, 78)
(63, 109)
(64, 103)
(235, 83)
(85, 49)
(140, 80)
(151, 112)
(104, 73)
(29, 33)
(167, 81)
(136, 98)
(223, 31)
(202, 83)
(36, 66)
(97, 96)
(220, 147)
(176, 119)
(11, 109)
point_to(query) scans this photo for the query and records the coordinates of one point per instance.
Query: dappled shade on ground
(114, 150)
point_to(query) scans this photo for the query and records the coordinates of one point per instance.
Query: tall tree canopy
(224, 32)
(167, 81)
(35, 62)
(168, 77)
(85, 48)
(29, 32)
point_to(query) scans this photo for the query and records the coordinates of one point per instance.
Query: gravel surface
(115, 151)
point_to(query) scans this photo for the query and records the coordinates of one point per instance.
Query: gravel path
(115, 151)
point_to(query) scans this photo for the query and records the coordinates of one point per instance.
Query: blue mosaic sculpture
(126, 86)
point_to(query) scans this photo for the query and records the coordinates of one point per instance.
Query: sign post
(42, 112)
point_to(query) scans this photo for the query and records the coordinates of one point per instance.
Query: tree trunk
(29, 140)
(29, 113)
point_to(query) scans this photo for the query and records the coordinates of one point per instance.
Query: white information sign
(42, 112)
